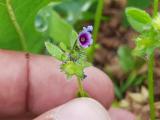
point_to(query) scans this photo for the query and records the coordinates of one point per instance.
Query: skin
(30, 85)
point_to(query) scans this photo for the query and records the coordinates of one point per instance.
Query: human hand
(31, 85)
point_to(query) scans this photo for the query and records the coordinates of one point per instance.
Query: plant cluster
(146, 42)
(74, 60)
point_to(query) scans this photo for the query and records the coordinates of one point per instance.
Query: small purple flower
(85, 37)
(88, 28)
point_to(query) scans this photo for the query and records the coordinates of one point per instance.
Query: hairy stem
(151, 85)
(81, 90)
(16, 25)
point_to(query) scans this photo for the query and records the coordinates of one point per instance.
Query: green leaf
(138, 19)
(54, 50)
(63, 47)
(135, 3)
(58, 29)
(126, 59)
(72, 10)
(17, 31)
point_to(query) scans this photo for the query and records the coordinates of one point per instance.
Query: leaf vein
(16, 25)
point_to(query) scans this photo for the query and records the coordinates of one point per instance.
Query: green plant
(135, 3)
(17, 30)
(71, 11)
(66, 45)
(146, 42)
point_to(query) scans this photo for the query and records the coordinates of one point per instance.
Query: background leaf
(135, 3)
(25, 12)
(58, 30)
(137, 18)
(72, 10)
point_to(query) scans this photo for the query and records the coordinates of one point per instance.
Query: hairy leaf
(70, 68)
(54, 51)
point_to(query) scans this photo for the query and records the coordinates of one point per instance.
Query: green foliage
(130, 65)
(138, 18)
(117, 91)
(139, 4)
(17, 30)
(55, 51)
(126, 59)
(149, 39)
(76, 64)
(133, 80)
(97, 21)
(146, 43)
(64, 42)
(156, 23)
(58, 30)
(72, 68)
(63, 47)
(142, 4)
(73, 10)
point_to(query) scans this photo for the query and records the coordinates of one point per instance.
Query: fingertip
(51, 88)
(99, 86)
(77, 109)
(13, 83)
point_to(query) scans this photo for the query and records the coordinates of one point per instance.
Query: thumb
(77, 109)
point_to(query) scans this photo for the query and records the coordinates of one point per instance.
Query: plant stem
(97, 20)
(155, 11)
(151, 85)
(151, 72)
(81, 90)
(16, 25)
